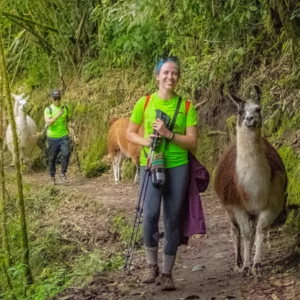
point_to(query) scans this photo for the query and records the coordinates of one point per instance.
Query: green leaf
(241, 51)
(248, 15)
(253, 8)
(211, 75)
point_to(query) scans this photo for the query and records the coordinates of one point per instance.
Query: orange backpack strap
(187, 106)
(146, 102)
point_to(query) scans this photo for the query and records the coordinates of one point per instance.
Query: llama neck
(249, 143)
(22, 116)
(252, 167)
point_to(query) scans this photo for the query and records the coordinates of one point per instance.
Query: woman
(177, 143)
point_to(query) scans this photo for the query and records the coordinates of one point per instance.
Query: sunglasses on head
(168, 58)
(164, 59)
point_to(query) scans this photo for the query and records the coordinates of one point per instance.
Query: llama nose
(250, 118)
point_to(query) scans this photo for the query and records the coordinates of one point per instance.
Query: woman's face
(168, 76)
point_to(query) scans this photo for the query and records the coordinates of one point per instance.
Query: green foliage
(123, 228)
(53, 283)
(92, 69)
(93, 263)
(95, 169)
(209, 148)
(292, 165)
(231, 125)
(57, 262)
(211, 38)
(128, 170)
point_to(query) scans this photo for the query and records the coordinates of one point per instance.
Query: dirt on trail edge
(204, 269)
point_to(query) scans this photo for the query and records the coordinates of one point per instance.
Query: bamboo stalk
(30, 21)
(3, 212)
(45, 43)
(20, 203)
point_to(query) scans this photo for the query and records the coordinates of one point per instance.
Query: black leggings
(173, 195)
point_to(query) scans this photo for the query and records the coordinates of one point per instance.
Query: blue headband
(161, 62)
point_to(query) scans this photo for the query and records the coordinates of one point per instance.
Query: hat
(55, 94)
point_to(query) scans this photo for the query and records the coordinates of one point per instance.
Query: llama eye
(257, 110)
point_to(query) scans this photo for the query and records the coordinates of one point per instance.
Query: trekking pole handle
(153, 142)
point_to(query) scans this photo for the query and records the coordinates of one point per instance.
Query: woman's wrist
(170, 137)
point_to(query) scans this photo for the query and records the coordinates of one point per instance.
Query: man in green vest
(56, 118)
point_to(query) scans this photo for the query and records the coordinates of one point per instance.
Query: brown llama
(251, 182)
(120, 148)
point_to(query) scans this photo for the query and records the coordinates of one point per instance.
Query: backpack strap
(147, 102)
(187, 106)
(50, 110)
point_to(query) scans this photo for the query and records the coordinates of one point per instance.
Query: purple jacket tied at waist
(193, 218)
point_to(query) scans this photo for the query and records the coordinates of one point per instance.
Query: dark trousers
(173, 194)
(55, 146)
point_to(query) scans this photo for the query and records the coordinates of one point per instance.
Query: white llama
(26, 130)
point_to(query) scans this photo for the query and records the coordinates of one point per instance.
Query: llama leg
(265, 219)
(137, 174)
(236, 236)
(117, 163)
(115, 167)
(24, 159)
(120, 162)
(247, 234)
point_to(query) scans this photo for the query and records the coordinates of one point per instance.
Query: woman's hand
(160, 127)
(150, 139)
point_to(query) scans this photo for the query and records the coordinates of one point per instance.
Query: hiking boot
(150, 273)
(52, 180)
(63, 179)
(166, 281)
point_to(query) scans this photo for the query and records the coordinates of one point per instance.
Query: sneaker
(166, 281)
(52, 180)
(63, 179)
(150, 273)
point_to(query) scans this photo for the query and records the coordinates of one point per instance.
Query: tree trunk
(21, 206)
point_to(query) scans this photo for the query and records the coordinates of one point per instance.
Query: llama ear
(14, 95)
(236, 100)
(26, 98)
(258, 93)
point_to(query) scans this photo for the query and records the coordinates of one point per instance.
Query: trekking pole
(136, 222)
(75, 147)
(139, 210)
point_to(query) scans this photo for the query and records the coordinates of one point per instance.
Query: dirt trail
(204, 268)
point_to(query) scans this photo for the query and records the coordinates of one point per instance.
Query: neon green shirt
(59, 128)
(174, 155)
